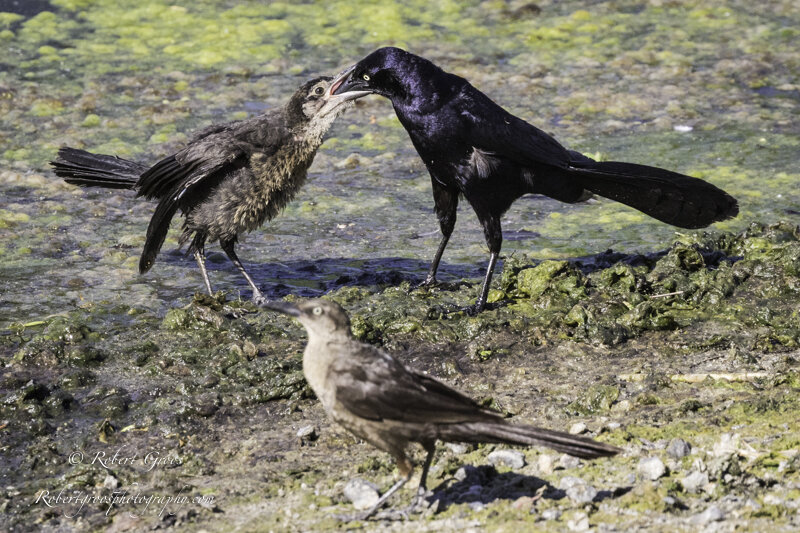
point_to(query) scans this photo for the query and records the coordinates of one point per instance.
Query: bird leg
(480, 305)
(227, 247)
(382, 500)
(430, 279)
(430, 448)
(198, 246)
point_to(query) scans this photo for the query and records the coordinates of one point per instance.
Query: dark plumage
(476, 149)
(230, 178)
(389, 405)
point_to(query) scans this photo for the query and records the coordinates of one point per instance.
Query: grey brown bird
(230, 178)
(389, 405)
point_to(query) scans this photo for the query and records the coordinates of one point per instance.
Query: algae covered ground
(129, 403)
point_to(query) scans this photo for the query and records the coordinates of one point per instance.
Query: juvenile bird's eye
(366, 77)
(319, 90)
(317, 310)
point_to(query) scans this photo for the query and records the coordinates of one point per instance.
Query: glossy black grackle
(389, 405)
(475, 148)
(230, 178)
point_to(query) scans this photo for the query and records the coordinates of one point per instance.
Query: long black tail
(86, 169)
(670, 197)
(502, 432)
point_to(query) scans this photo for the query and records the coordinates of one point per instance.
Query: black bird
(379, 399)
(474, 148)
(230, 178)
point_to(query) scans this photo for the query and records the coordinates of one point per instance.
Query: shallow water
(134, 78)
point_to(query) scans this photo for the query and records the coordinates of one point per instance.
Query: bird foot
(431, 283)
(259, 299)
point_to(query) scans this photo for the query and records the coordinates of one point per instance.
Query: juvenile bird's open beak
(335, 96)
(283, 307)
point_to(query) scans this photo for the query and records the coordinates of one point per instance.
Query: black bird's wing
(373, 385)
(494, 130)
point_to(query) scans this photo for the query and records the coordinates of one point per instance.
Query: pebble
(511, 458)
(308, 433)
(457, 448)
(568, 461)
(461, 474)
(546, 463)
(651, 468)
(110, 482)
(579, 523)
(577, 428)
(678, 448)
(582, 494)
(694, 481)
(551, 514)
(712, 514)
(362, 494)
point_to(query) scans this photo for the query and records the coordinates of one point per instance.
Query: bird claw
(259, 299)
(427, 283)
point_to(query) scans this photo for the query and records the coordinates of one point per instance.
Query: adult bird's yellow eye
(317, 310)
(366, 77)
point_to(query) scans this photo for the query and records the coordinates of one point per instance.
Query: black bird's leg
(198, 248)
(494, 239)
(227, 247)
(446, 209)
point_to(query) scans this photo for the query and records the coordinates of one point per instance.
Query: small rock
(630, 479)
(773, 499)
(110, 482)
(712, 514)
(476, 506)
(678, 448)
(577, 428)
(511, 458)
(308, 433)
(550, 514)
(682, 128)
(611, 426)
(694, 481)
(546, 463)
(582, 494)
(362, 494)
(579, 523)
(568, 461)
(457, 448)
(728, 445)
(461, 474)
(651, 468)
(351, 161)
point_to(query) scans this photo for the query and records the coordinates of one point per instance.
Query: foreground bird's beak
(332, 100)
(283, 307)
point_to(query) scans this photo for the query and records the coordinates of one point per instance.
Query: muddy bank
(698, 342)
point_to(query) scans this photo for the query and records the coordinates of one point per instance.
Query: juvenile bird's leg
(198, 247)
(201, 262)
(227, 247)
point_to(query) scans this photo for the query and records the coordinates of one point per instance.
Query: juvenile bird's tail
(670, 197)
(502, 432)
(86, 169)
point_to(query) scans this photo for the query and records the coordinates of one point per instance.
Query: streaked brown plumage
(229, 179)
(389, 405)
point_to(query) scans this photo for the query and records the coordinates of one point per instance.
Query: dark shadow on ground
(483, 485)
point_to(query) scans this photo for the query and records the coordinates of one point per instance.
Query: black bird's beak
(283, 307)
(346, 83)
(335, 96)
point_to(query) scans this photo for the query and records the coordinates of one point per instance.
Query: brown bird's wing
(375, 386)
(186, 178)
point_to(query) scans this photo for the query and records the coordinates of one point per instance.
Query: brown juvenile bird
(230, 178)
(389, 405)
